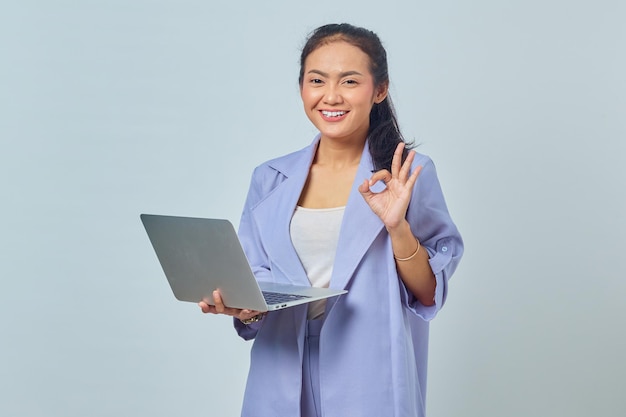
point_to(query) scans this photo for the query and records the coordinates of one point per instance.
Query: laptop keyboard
(277, 298)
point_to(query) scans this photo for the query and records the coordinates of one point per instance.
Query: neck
(339, 154)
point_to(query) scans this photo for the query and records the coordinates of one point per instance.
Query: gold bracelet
(410, 257)
(252, 319)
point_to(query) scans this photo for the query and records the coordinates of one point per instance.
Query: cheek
(308, 97)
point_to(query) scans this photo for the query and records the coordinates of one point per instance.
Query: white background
(113, 108)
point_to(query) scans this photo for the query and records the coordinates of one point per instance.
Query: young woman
(353, 210)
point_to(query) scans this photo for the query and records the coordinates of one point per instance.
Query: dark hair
(384, 132)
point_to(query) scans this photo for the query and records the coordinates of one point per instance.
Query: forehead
(338, 56)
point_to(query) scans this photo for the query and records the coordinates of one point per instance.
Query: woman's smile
(333, 116)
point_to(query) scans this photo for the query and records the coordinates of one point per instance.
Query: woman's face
(338, 91)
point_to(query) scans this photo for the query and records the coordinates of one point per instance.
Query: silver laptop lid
(201, 255)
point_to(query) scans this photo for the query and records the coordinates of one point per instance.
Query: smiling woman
(338, 92)
(312, 218)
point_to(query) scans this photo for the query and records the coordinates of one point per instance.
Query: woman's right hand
(220, 308)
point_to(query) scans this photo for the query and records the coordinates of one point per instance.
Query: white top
(314, 234)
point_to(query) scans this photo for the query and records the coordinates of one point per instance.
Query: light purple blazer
(374, 341)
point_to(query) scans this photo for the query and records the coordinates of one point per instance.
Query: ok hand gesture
(391, 203)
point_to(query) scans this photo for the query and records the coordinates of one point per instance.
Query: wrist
(408, 258)
(402, 228)
(405, 245)
(253, 319)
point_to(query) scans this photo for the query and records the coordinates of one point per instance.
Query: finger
(364, 188)
(397, 159)
(247, 314)
(221, 308)
(217, 300)
(406, 166)
(413, 178)
(209, 309)
(382, 175)
(204, 307)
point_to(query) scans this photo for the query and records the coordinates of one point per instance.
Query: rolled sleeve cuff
(440, 259)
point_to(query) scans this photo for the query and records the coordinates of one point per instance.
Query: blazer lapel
(273, 214)
(359, 228)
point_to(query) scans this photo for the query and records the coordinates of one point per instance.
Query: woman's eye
(315, 81)
(350, 82)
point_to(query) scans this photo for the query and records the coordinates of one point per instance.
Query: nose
(332, 95)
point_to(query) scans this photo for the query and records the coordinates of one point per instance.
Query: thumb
(364, 188)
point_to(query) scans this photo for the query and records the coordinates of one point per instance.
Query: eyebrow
(341, 74)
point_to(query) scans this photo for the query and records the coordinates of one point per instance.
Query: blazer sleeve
(432, 225)
(264, 180)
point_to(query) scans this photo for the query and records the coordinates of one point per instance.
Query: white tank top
(314, 234)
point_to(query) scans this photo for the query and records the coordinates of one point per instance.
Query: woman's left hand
(391, 203)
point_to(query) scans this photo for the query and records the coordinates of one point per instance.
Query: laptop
(200, 255)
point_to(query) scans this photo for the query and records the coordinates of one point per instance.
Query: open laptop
(199, 256)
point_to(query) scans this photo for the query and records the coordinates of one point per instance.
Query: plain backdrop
(109, 109)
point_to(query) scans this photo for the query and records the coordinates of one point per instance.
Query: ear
(381, 93)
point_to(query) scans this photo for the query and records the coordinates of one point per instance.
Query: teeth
(333, 113)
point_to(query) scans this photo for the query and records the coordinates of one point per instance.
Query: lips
(333, 115)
